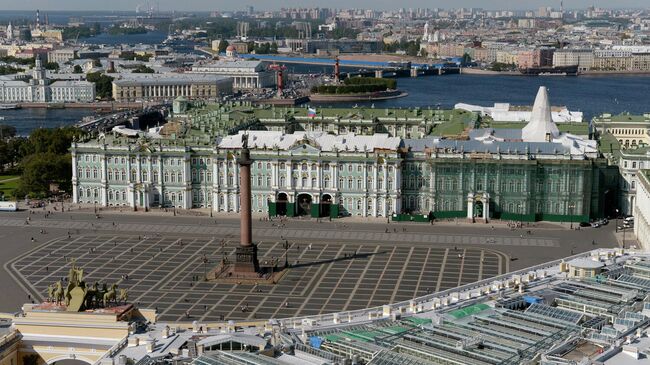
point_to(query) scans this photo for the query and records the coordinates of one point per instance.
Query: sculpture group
(78, 296)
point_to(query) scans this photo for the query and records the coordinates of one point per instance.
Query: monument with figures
(76, 296)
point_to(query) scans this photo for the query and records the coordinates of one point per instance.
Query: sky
(210, 5)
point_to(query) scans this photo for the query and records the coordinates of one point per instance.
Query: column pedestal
(246, 260)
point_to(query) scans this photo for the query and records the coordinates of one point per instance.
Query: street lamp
(616, 227)
(571, 206)
(521, 217)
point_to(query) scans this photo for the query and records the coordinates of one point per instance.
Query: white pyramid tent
(541, 127)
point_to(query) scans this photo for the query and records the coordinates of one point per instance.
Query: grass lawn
(7, 185)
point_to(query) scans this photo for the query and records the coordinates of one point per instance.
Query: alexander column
(246, 254)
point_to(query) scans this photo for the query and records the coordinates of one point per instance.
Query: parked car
(585, 224)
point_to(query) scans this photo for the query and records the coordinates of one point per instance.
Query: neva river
(592, 95)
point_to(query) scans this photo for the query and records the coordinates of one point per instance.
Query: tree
(77, 69)
(223, 45)
(103, 84)
(42, 169)
(7, 131)
(467, 59)
(142, 69)
(51, 66)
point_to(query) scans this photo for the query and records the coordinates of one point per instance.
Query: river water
(591, 95)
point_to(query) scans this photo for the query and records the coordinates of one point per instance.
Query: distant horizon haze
(227, 5)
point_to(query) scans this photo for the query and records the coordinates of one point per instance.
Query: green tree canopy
(103, 84)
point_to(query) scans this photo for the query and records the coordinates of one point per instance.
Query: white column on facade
(470, 206)
(274, 175)
(289, 178)
(75, 181)
(103, 173)
(319, 176)
(215, 183)
(335, 176)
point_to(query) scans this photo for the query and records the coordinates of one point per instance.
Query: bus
(8, 206)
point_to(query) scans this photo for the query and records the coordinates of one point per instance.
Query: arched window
(283, 181)
(179, 176)
(173, 177)
(193, 175)
(313, 182)
(350, 183)
(166, 177)
(326, 183)
(110, 195)
(144, 175)
(304, 182)
(380, 184)
(110, 174)
(123, 175)
(134, 175)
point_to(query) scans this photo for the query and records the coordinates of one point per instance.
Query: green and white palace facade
(534, 173)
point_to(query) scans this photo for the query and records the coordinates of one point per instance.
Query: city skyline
(206, 5)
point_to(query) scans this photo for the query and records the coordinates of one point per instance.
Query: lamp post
(616, 226)
(520, 214)
(571, 206)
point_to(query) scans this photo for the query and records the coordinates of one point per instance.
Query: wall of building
(641, 210)
(361, 184)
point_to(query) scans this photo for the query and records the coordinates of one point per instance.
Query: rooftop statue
(77, 296)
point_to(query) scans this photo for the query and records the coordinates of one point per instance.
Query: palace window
(110, 174)
(313, 182)
(326, 183)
